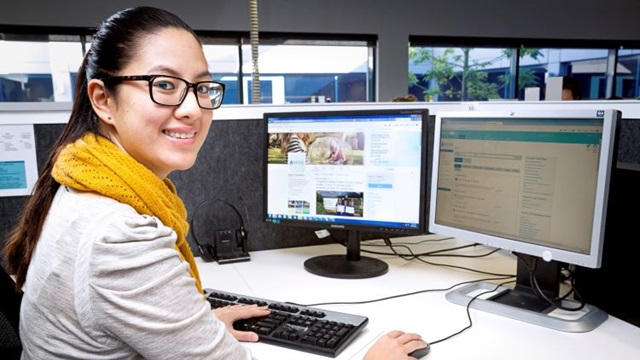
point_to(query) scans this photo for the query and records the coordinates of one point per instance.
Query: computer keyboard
(296, 327)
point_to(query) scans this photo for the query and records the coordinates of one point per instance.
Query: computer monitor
(533, 182)
(353, 170)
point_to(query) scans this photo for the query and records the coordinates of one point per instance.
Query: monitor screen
(357, 170)
(532, 182)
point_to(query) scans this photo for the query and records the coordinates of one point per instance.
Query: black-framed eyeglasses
(171, 90)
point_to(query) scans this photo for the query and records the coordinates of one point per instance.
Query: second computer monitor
(353, 170)
(534, 182)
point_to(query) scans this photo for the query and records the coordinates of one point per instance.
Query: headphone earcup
(242, 237)
(207, 253)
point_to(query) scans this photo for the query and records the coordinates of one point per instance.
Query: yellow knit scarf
(94, 163)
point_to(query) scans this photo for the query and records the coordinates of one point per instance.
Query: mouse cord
(468, 307)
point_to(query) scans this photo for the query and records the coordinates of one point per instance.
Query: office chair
(10, 345)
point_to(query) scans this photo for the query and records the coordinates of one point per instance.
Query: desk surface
(280, 275)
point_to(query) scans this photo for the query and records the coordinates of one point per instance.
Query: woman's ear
(101, 100)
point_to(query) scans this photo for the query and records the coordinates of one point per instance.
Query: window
(454, 69)
(39, 70)
(310, 68)
(458, 73)
(588, 66)
(627, 83)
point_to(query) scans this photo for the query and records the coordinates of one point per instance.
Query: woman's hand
(229, 314)
(395, 345)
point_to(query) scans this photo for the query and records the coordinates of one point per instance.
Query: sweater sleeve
(141, 293)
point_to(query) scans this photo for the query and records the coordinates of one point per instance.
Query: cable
(467, 308)
(388, 243)
(255, 46)
(434, 253)
(404, 294)
(557, 302)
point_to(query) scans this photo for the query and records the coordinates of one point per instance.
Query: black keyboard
(303, 328)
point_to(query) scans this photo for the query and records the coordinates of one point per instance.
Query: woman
(100, 248)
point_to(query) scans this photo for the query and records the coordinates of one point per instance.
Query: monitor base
(587, 319)
(338, 267)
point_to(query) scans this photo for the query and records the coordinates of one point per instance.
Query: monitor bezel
(425, 157)
(608, 156)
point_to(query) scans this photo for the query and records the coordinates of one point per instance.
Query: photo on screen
(339, 203)
(320, 148)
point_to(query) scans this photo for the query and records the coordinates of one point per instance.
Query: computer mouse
(421, 352)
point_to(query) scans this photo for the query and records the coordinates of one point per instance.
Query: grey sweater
(106, 283)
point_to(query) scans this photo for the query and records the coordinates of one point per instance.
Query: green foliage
(456, 66)
(320, 204)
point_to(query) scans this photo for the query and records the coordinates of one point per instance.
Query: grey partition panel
(628, 144)
(9, 207)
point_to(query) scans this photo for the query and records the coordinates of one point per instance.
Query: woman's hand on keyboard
(229, 314)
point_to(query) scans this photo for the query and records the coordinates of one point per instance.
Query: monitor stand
(521, 303)
(349, 266)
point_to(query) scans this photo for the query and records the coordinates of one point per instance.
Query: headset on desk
(229, 242)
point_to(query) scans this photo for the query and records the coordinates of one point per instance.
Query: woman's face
(162, 138)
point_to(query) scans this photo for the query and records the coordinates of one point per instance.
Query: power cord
(468, 310)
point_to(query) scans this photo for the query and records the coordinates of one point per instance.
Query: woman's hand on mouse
(395, 345)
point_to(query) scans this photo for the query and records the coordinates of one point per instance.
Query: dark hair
(114, 45)
(406, 98)
(572, 84)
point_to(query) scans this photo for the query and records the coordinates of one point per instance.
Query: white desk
(280, 275)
